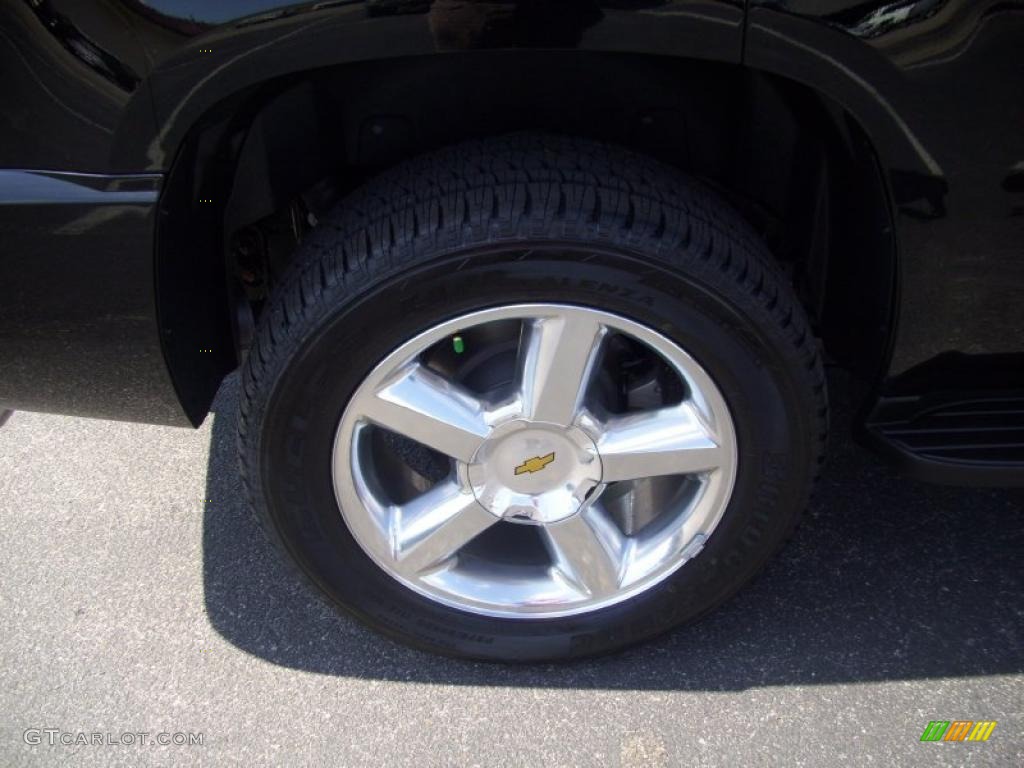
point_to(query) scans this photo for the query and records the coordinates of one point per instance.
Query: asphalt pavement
(137, 596)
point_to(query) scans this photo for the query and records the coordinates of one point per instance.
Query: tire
(515, 220)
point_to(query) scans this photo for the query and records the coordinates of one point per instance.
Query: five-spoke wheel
(604, 436)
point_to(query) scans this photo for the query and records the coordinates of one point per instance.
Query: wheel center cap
(535, 473)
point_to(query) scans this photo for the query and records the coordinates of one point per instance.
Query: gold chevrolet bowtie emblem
(536, 464)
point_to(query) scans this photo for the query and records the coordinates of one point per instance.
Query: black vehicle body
(878, 147)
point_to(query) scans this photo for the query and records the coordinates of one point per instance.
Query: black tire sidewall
(702, 313)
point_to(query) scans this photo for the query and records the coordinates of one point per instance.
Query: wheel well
(254, 174)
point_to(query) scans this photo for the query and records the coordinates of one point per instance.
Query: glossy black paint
(115, 87)
(938, 86)
(77, 333)
(180, 58)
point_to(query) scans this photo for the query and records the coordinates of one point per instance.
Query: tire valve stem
(458, 345)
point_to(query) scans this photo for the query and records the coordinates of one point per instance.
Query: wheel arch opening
(254, 173)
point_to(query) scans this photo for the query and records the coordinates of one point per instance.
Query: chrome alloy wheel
(534, 461)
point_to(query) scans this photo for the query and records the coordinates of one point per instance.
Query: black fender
(223, 60)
